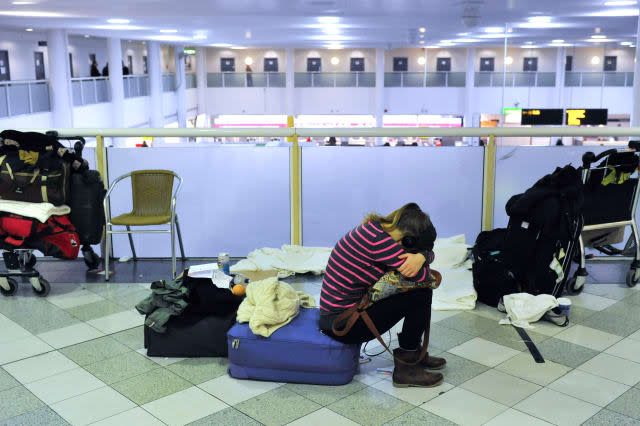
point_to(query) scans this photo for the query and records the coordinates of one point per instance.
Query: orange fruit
(238, 290)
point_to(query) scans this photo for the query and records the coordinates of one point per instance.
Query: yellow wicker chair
(154, 203)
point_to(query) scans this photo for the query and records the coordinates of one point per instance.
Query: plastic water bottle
(223, 263)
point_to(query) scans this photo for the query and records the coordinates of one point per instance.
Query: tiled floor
(77, 357)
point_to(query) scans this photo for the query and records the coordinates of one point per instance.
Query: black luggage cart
(611, 196)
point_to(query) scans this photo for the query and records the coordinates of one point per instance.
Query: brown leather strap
(359, 311)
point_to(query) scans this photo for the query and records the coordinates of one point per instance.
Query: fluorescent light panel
(118, 21)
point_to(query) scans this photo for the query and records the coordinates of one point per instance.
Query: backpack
(56, 237)
(544, 225)
(491, 277)
(86, 203)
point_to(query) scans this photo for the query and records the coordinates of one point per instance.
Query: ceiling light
(328, 19)
(220, 45)
(334, 46)
(248, 60)
(494, 30)
(169, 38)
(595, 60)
(168, 31)
(599, 40)
(432, 47)
(529, 46)
(247, 34)
(508, 60)
(21, 3)
(509, 30)
(335, 60)
(528, 42)
(598, 36)
(118, 21)
(28, 29)
(331, 29)
(118, 27)
(421, 42)
(557, 41)
(493, 36)
(422, 29)
(31, 14)
(539, 19)
(422, 60)
(465, 40)
(626, 43)
(620, 3)
(238, 47)
(541, 25)
(463, 34)
(560, 45)
(615, 12)
(200, 37)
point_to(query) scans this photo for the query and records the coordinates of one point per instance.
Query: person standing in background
(105, 70)
(95, 72)
(248, 70)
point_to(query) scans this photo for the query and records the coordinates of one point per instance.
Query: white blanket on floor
(456, 291)
(40, 211)
(288, 260)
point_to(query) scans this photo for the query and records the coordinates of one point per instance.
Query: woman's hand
(412, 264)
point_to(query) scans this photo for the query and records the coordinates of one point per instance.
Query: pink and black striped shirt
(357, 262)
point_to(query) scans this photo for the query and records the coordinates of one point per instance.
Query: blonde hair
(408, 219)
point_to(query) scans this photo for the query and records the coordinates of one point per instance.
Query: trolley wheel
(632, 278)
(575, 285)
(91, 259)
(41, 287)
(8, 286)
(30, 261)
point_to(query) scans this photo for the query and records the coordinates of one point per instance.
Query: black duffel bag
(491, 278)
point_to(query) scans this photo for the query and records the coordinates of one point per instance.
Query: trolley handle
(77, 147)
(589, 157)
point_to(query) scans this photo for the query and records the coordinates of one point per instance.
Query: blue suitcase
(295, 353)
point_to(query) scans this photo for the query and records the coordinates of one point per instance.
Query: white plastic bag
(524, 308)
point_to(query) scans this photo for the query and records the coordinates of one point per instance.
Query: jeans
(414, 306)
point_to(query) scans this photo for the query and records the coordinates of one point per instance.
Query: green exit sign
(189, 51)
(511, 110)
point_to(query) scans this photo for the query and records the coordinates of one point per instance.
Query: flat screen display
(541, 117)
(586, 117)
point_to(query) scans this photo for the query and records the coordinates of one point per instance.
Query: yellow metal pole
(295, 179)
(489, 184)
(101, 165)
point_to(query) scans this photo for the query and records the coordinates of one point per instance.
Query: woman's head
(408, 220)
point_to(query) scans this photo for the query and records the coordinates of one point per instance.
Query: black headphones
(424, 241)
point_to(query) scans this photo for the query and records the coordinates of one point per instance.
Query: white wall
(20, 47)
(137, 50)
(80, 49)
(167, 59)
(458, 58)
(258, 55)
(344, 56)
(28, 121)
(582, 57)
(432, 100)
(250, 100)
(546, 58)
(169, 104)
(619, 100)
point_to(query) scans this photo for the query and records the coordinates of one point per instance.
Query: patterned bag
(392, 283)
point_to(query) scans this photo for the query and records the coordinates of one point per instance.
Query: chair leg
(180, 239)
(107, 252)
(173, 248)
(133, 249)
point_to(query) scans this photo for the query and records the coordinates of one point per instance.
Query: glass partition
(446, 182)
(234, 198)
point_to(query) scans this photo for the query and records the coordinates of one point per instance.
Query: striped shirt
(357, 262)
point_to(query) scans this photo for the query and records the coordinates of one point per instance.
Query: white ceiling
(360, 23)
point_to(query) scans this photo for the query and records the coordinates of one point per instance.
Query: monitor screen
(586, 117)
(541, 117)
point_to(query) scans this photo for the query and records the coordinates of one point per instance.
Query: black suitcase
(191, 335)
(86, 203)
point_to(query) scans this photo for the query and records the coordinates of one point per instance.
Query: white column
(154, 67)
(290, 81)
(635, 115)
(561, 57)
(59, 79)
(469, 87)
(379, 90)
(201, 80)
(181, 87)
(116, 85)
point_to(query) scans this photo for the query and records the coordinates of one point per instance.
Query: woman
(359, 260)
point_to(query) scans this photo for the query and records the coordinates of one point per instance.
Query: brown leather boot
(430, 362)
(405, 376)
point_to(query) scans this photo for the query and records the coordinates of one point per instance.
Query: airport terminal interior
(319, 212)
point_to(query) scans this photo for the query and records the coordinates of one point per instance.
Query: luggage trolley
(611, 196)
(20, 262)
